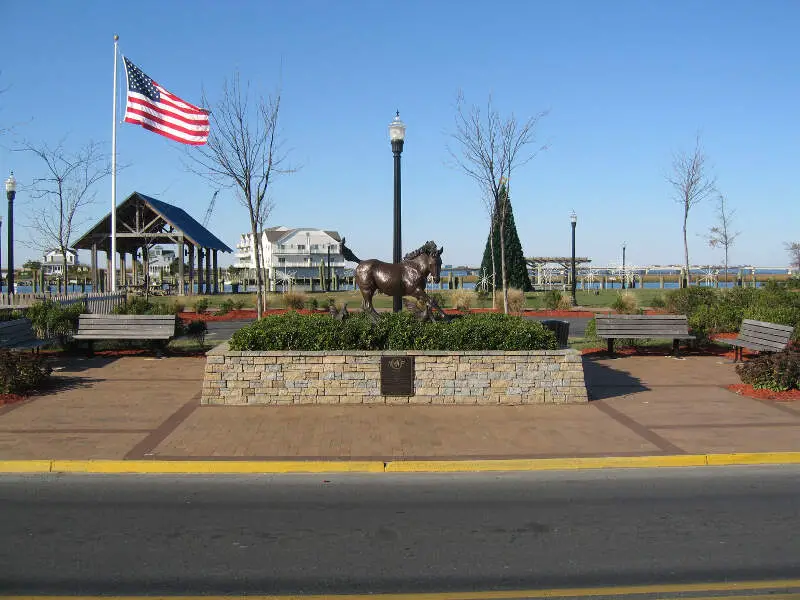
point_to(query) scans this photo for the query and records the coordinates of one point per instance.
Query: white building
(294, 253)
(158, 261)
(53, 263)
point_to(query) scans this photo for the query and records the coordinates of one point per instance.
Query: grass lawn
(534, 300)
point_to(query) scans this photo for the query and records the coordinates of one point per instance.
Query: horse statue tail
(348, 254)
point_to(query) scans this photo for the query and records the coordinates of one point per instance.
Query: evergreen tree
(516, 268)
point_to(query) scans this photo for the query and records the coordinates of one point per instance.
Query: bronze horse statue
(406, 278)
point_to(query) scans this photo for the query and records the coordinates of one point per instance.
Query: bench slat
(767, 325)
(112, 336)
(762, 336)
(93, 327)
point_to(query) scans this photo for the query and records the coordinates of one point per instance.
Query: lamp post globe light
(624, 285)
(11, 191)
(397, 134)
(574, 220)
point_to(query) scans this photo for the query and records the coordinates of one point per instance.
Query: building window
(301, 246)
(281, 260)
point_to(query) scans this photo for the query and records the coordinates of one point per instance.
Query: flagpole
(114, 179)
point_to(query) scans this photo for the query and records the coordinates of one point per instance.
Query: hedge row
(712, 311)
(22, 372)
(394, 331)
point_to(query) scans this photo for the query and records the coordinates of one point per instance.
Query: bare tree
(722, 234)
(65, 187)
(490, 205)
(793, 248)
(489, 149)
(245, 152)
(692, 185)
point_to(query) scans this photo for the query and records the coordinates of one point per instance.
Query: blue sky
(626, 85)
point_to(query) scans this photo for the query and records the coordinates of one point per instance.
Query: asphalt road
(414, 533)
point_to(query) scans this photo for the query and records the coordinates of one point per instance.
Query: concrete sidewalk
(145, 408)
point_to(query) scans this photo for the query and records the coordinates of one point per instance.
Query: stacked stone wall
(353, 377)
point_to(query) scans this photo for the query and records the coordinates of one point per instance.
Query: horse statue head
(430, 256)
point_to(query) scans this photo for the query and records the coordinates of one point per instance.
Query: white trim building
(293, 253)
(159, 260)
(53, 261)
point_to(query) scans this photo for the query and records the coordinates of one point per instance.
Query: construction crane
(210, 209)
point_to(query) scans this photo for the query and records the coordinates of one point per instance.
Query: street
(397, 533)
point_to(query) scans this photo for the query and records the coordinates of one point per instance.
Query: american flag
(154, 108)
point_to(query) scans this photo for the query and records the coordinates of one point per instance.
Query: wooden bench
(611, 327)
(18, 334)
(92, 327)
(761, 336)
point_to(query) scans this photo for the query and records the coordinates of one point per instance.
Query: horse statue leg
(366, 305)
(435, 309)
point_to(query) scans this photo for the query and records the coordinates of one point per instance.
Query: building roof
(163, 222)
(277, 233)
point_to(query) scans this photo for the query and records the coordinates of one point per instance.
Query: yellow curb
(25, 466)
(754, 458)
(546, 464)
(399, 466)
(212, 466)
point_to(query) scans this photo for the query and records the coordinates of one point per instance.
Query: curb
(109, 467)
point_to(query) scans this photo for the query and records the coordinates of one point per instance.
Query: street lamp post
(624, 285)
(11, 191)
(574, 220)
(397, 134)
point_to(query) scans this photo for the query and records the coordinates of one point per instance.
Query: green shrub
(22, 371)
(685, 301)
(226, 306)
(197, 330)
(552, 299)
(625, 304)
(313, 304)
(51, 320)
(438, 298)
(201, 305)
(777, 372)
(708, 320)
(393, 331)
(658, 302)
(294, 300)
(591, 330)
(137, 305)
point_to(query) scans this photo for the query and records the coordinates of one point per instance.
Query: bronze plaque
(397, 375)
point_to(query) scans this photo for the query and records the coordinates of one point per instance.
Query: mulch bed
(11, 399)
(744, 389)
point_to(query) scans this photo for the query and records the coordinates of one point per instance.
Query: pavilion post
(209, 279)
(181, 290)
(191, 269)
(216, 273)
(94, 266)
(200, 288)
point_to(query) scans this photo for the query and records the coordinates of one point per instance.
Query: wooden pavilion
(143, 222)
